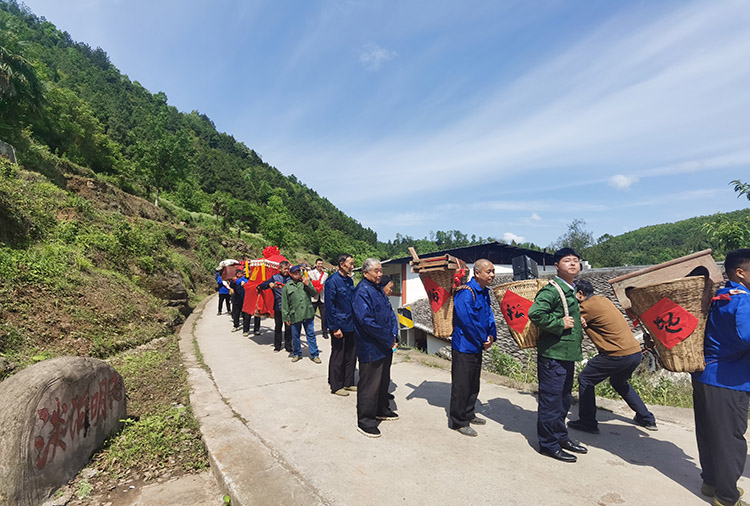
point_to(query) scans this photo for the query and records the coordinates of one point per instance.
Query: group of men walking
(363, 326)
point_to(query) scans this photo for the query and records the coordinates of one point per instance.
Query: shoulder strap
(562, 296)
(467, 287)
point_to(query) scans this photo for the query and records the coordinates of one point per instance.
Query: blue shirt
(473, 320)
(222, 287)
(727, 340)
(339, 291)
(238, 285)
(278, 279)
(374, 322)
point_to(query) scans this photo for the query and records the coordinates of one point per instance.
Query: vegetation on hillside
(63, 98)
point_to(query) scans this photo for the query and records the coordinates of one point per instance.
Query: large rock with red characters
(54, 416)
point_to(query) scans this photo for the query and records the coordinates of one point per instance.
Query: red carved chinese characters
(669, 322)
(56, 434)
(86, 411)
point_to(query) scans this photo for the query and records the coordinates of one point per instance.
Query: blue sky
(497, 118)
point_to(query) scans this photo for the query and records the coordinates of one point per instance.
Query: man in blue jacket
(722, 390)
(375, 330)
(276, 283)
(474, 330)
(339, 289)
(223, 293)
(237, 288)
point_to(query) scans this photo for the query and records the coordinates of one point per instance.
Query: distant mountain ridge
(659, 243)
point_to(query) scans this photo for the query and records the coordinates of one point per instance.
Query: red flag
(515, 310)
(669, 322)
(435, 293)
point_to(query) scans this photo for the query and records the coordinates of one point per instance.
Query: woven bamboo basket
(527, 289)
(692, 293)
(442, 320)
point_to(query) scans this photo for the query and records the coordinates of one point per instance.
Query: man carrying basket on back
(555, 311)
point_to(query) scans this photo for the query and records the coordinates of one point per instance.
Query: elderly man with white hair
(375, 329)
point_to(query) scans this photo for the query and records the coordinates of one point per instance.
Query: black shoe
(389, 417)
(646, 425)
(579, 425)
(277, 350)
(559, 455)
(573, 446)
(477, 421)
(391, 396)
(256, 332)
(325, 336)
(369, 431)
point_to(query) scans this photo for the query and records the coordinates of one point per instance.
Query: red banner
(435, 293)
(669, 322)
(515, 310)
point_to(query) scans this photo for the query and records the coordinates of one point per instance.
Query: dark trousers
(555, 385)
(618, 370)
(246, 322)
(236, 311)
(224, 298)
(343, 361)
(466, 370)
(320, 305)
(720, 425)
(372, 392)
(277, 333)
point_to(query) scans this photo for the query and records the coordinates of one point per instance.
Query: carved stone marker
(54, 415)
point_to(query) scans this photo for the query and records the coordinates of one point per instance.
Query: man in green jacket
(557, 351)
(297, 310)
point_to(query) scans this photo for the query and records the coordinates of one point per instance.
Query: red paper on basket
(435, 293)
(669, 322)
(515, 310)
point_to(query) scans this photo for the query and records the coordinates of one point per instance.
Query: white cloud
(510, 237)
(622, 182)
(535, 217)
(372, 56)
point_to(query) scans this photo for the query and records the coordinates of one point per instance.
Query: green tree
(576, 237)
(741, 188)
(21, 91)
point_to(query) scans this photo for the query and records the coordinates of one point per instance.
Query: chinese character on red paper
(515, 309)
(436, 294)
(669, 322)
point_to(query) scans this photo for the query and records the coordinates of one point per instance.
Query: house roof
(495, 252)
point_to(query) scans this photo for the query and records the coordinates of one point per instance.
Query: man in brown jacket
(619, 355)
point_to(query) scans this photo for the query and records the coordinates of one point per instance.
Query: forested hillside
(660, 243)
(65, 102)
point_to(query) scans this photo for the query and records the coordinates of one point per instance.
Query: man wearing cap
(558, 349)
(297, 312)
(474, 330)
(339, 290)
(276, 283)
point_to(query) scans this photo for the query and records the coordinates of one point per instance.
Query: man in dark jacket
(557, 351)
(276, 283)
(237, 288)
(375, 329)
(339, 289)
(474, 330)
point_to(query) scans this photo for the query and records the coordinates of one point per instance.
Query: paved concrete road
(278, 436)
